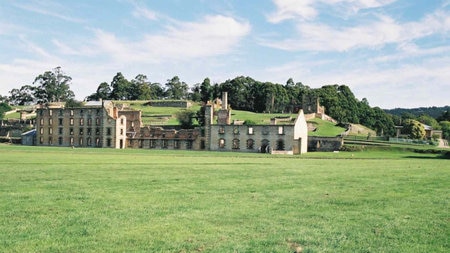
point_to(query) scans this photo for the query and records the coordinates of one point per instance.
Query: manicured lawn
(103, 200)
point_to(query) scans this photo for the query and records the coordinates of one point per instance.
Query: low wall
(324, 143)
(170, 103)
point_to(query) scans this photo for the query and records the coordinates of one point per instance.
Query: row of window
(166, 143)
(250, 144)
(72, 121)
(81, 131)
(88, 142)
(250, 130)
(71, 112)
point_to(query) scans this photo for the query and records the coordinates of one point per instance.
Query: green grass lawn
(103, 200)
(325, 128)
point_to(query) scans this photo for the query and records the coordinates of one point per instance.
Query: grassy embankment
(103, 200)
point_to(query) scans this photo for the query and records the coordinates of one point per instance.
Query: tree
(445, 126)
(22, 96)
(175, 89)
(4, 107)
(71, 103)
(445, 116)
(156, 91)
(120, 87)
(103, 92)
(414, 129)
(195, 94)
(430, 121)
(186, 118)
(206, 91)
(140, 88)
(53, 86)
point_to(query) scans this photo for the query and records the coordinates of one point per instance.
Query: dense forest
(244, 93)
(433, 111)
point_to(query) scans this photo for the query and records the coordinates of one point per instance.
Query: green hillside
(324, 128)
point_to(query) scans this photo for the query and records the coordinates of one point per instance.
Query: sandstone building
(102, 124)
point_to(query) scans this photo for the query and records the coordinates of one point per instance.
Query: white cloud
(214, 35)
(289, 9)
(307, 10)
(141, 11)
(384, 30)
(411, 84)
(49, 8)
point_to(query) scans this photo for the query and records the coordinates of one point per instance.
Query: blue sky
(394, 53)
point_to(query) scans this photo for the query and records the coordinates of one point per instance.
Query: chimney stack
(224, 100)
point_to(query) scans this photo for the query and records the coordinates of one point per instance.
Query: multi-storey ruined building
(96, 124)
(102, 124)
(286, 138)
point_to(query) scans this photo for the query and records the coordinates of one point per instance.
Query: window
(250, 130)
(89, 131)
(81, 141)
(71, 121)
(41, 140)
(108, 131)
(108, 142)
(89, 141)
(50, 112)
(221, 130)
(188, 144)
(176, 144)
(50, 121)
(221, 143)
(71, 131)
(236, 130)
(250, 144)
(71, 141)
(50, 140)
(235, 143)
(165, 143)
(41, 122)
(280, 145)
(97, 121)
(50, 131)
(60, 121)
(89, 121)
(60, 131)
(121, 131)
(152, 143)
(71, 112)
(41, 130)
(97, 142)
(280, 130)
(61, 113)
(97, 131)
(81, 121)
(60, 141)
(81, 112)
(81, 131)
(121, 121)
(97, 111)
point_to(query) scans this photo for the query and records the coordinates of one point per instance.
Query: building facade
(96, 124)
(102, 124)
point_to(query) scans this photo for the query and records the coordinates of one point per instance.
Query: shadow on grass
(442, 156)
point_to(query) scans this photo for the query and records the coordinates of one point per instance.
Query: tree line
(244, 93)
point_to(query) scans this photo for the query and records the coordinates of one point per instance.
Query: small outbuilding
(29, 138)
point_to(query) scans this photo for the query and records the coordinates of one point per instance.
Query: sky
(395, 53)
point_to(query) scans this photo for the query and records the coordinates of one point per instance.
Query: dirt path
(443, 143)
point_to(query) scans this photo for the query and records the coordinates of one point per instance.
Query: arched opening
(265, 148)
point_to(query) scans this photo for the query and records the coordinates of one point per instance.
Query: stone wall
(170, 103)
(324, 143)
